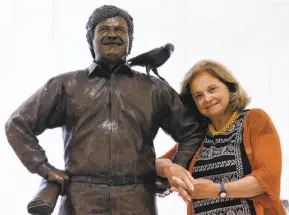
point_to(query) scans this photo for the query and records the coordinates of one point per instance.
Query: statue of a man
(110, 115)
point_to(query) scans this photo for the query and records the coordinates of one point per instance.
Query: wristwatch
(222, 192)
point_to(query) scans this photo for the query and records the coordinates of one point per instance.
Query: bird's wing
(141, 60)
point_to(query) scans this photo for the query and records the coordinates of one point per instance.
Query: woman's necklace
(228, 125)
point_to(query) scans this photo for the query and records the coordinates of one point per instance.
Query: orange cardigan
(262, 146)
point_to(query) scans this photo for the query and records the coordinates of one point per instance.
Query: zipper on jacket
(110, 129)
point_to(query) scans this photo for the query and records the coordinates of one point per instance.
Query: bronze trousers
(94, 199)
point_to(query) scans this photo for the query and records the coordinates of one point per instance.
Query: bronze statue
(110, 115)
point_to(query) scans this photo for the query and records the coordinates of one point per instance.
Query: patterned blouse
(223, 159)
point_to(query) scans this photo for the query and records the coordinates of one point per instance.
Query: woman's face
(210, 95)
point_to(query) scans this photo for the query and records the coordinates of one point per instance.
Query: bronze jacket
(109, 123)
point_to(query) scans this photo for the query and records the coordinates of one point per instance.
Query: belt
(114, 180)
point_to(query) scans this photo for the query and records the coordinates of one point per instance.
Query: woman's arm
(162, 165)
(246, 187)
(267, 155)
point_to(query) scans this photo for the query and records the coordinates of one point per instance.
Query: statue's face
(111, 39)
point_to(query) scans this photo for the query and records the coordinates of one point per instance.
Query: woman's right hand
(180, 179)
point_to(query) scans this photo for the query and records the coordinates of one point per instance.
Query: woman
(237, 169)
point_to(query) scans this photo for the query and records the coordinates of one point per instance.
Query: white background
(40, 39)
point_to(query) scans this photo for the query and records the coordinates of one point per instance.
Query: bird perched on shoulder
(153, 59)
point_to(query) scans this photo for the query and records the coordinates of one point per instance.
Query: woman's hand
(180, 179)
(203, 188)
(185, 179)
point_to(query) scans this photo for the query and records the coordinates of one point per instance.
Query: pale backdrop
(40, 39)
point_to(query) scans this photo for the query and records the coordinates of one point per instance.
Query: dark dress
(223, 159)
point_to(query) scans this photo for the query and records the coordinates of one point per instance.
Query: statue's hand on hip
(59, 177)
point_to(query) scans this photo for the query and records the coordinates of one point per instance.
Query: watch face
(223, 194)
